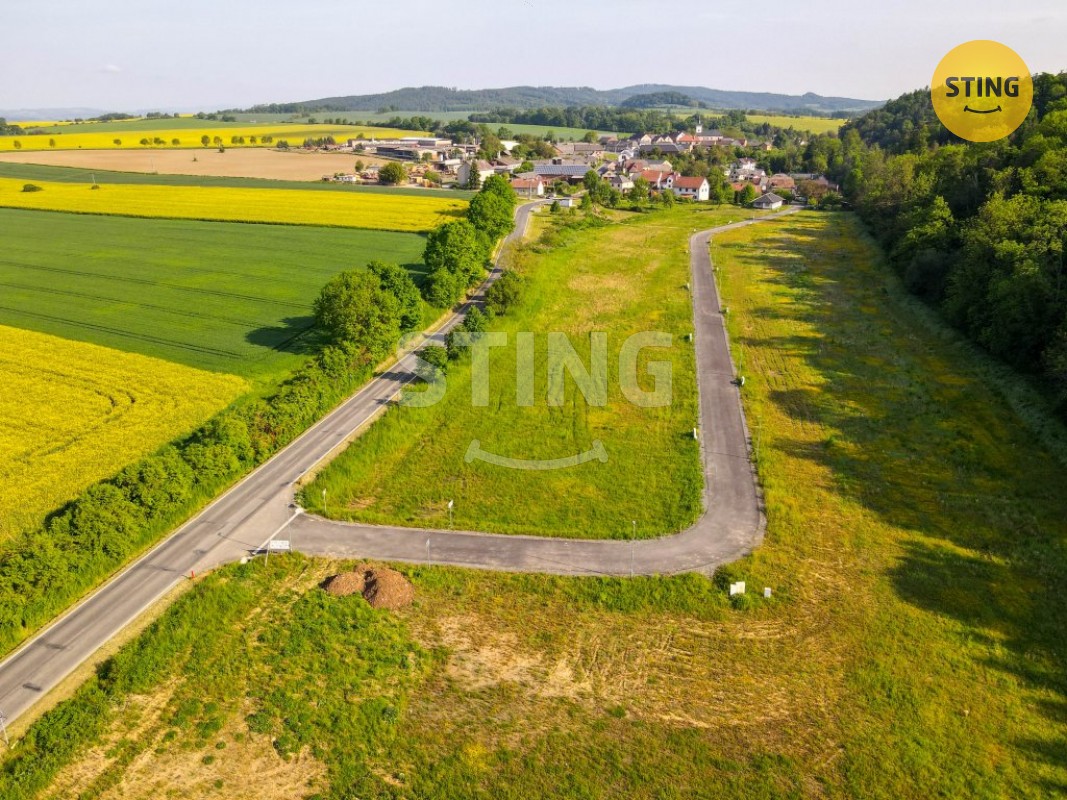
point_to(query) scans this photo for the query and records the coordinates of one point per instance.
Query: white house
(695, 188)
(769, 202)
(528, 187)
(463, 173)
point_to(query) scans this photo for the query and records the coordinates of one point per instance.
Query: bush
(435, 355)
(32, 187)
(505, 292)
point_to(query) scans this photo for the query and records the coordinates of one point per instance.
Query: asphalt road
(260, 508)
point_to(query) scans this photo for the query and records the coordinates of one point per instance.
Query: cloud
(111, 68)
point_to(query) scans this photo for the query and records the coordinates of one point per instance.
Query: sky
(128, 55)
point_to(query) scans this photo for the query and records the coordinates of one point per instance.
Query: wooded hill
(441, 98)
(978, 230)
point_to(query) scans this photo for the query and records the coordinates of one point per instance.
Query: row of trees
(362, 315)
(367, 310)
(979, 230)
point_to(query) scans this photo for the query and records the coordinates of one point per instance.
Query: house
(621, 182)
(506, 164)
(694, 188)
(769, 202)
(780, 180)
(661, 166)
(587, 150)
(463, 173)
(568, 172)
(528, 187)
(657, 179)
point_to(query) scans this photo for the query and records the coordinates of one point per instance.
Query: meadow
(618, 279)
(229, 298)
(72, 413)
(277, 206)
(103, 136)
(914, 646)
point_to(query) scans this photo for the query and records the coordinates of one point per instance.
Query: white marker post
(451, 505)
(633, 541)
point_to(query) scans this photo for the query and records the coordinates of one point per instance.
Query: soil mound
(387, 588)
(347, 583)
(380, 586)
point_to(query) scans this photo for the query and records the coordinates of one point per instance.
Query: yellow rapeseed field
(294, 134)
(73, 413)
(812, 124)
(377, 210)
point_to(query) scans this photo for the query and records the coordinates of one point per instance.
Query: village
(622, 164)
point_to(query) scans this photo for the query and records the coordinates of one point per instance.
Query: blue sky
(120, 54)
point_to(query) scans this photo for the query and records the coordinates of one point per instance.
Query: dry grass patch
(235, 163)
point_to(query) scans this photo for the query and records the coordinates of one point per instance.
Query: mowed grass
(914, 646)
(229, 298)
(225, 204)
(72, 413)
(97, 136)
(618, 280)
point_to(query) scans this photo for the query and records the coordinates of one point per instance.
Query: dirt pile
(380, 586)
(387, 588)
(346, 583)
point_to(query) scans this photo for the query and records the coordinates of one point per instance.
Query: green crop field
(231, 298)
(617, 280)
(913, 648)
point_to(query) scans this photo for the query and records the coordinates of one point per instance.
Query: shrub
(505, 292)
(32, 187)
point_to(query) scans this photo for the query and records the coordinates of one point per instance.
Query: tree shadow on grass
(912, 438)
(296, 335)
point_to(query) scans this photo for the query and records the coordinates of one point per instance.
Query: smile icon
(981, 91)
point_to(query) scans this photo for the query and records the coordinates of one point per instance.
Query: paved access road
(260, 507)
(729, 527)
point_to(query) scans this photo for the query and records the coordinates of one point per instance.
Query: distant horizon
(200, 55)
(194, 109)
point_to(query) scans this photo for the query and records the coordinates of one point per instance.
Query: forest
(977, 230)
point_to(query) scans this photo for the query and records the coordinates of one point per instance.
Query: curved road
(259, 508)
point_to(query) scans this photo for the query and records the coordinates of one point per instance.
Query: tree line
(977, 230)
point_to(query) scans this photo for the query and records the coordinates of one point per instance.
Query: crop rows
(74, 413)
(229, 298)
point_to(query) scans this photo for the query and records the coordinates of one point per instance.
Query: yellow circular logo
(982, 90)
